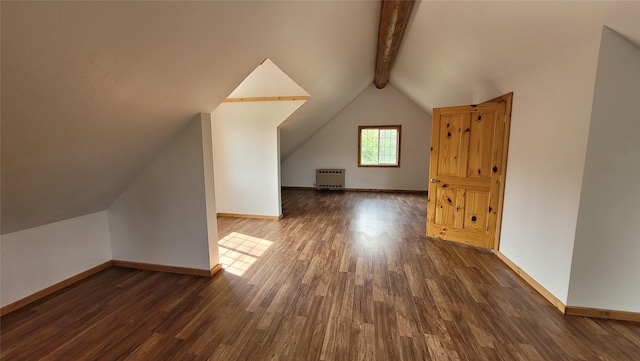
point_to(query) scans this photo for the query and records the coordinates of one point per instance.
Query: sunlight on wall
(239, 251)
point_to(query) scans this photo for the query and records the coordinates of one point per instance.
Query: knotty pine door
(467, 167)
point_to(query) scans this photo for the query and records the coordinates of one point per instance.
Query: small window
(379, 146)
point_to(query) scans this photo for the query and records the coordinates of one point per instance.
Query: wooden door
(467, 167)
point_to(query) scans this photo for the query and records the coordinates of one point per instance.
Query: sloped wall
(605, 272)
(547, 148)
(336, 144)
(36, 258)
(163, 217)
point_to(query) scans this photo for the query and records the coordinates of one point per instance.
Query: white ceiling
(453, 49)
(92, 91)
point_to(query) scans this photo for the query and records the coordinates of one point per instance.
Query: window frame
(398, 128)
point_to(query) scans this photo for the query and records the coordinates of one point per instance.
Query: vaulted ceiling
(452, 50)
(92, 91)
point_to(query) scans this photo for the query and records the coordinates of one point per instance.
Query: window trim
(398, 146)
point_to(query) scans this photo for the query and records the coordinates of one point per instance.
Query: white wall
(36, 258)
(606, 261)
(209, 189)
(548, 142)
(162, 217)
(336, 144)
(246, 156)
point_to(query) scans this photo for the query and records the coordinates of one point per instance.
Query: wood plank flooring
(344, 276)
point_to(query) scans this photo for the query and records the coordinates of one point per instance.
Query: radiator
(329, 178)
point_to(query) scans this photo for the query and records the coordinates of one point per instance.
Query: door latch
(433, 180)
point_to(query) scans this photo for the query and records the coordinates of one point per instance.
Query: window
(379, 146)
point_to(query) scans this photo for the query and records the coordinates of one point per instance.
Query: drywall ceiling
(454, 50)
(92, 91)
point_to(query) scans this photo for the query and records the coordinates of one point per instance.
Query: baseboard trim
(600, 313)
(256, 216)
(360, 189)
(374, 190)
(533, 283)
(568, 310)
(101, 267)
(214, 271)
(165, 268)
(54, 288)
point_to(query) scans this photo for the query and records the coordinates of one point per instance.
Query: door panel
(475, 210)
(480, 135)
(446, 206)
(450, 143)
(466, 169)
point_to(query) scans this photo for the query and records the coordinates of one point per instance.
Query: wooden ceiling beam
(394, 16)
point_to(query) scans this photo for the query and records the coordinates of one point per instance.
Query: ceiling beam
(394, 16)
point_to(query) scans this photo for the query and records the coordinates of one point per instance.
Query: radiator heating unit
(329, 179)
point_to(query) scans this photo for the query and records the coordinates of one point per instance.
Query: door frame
(508, 98)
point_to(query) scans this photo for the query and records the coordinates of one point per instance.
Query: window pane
(379, 146)
(388, 146)
(369, 146)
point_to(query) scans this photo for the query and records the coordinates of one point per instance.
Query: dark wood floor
(344, 276)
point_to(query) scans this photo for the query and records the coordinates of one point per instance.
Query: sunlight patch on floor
(239, 251)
